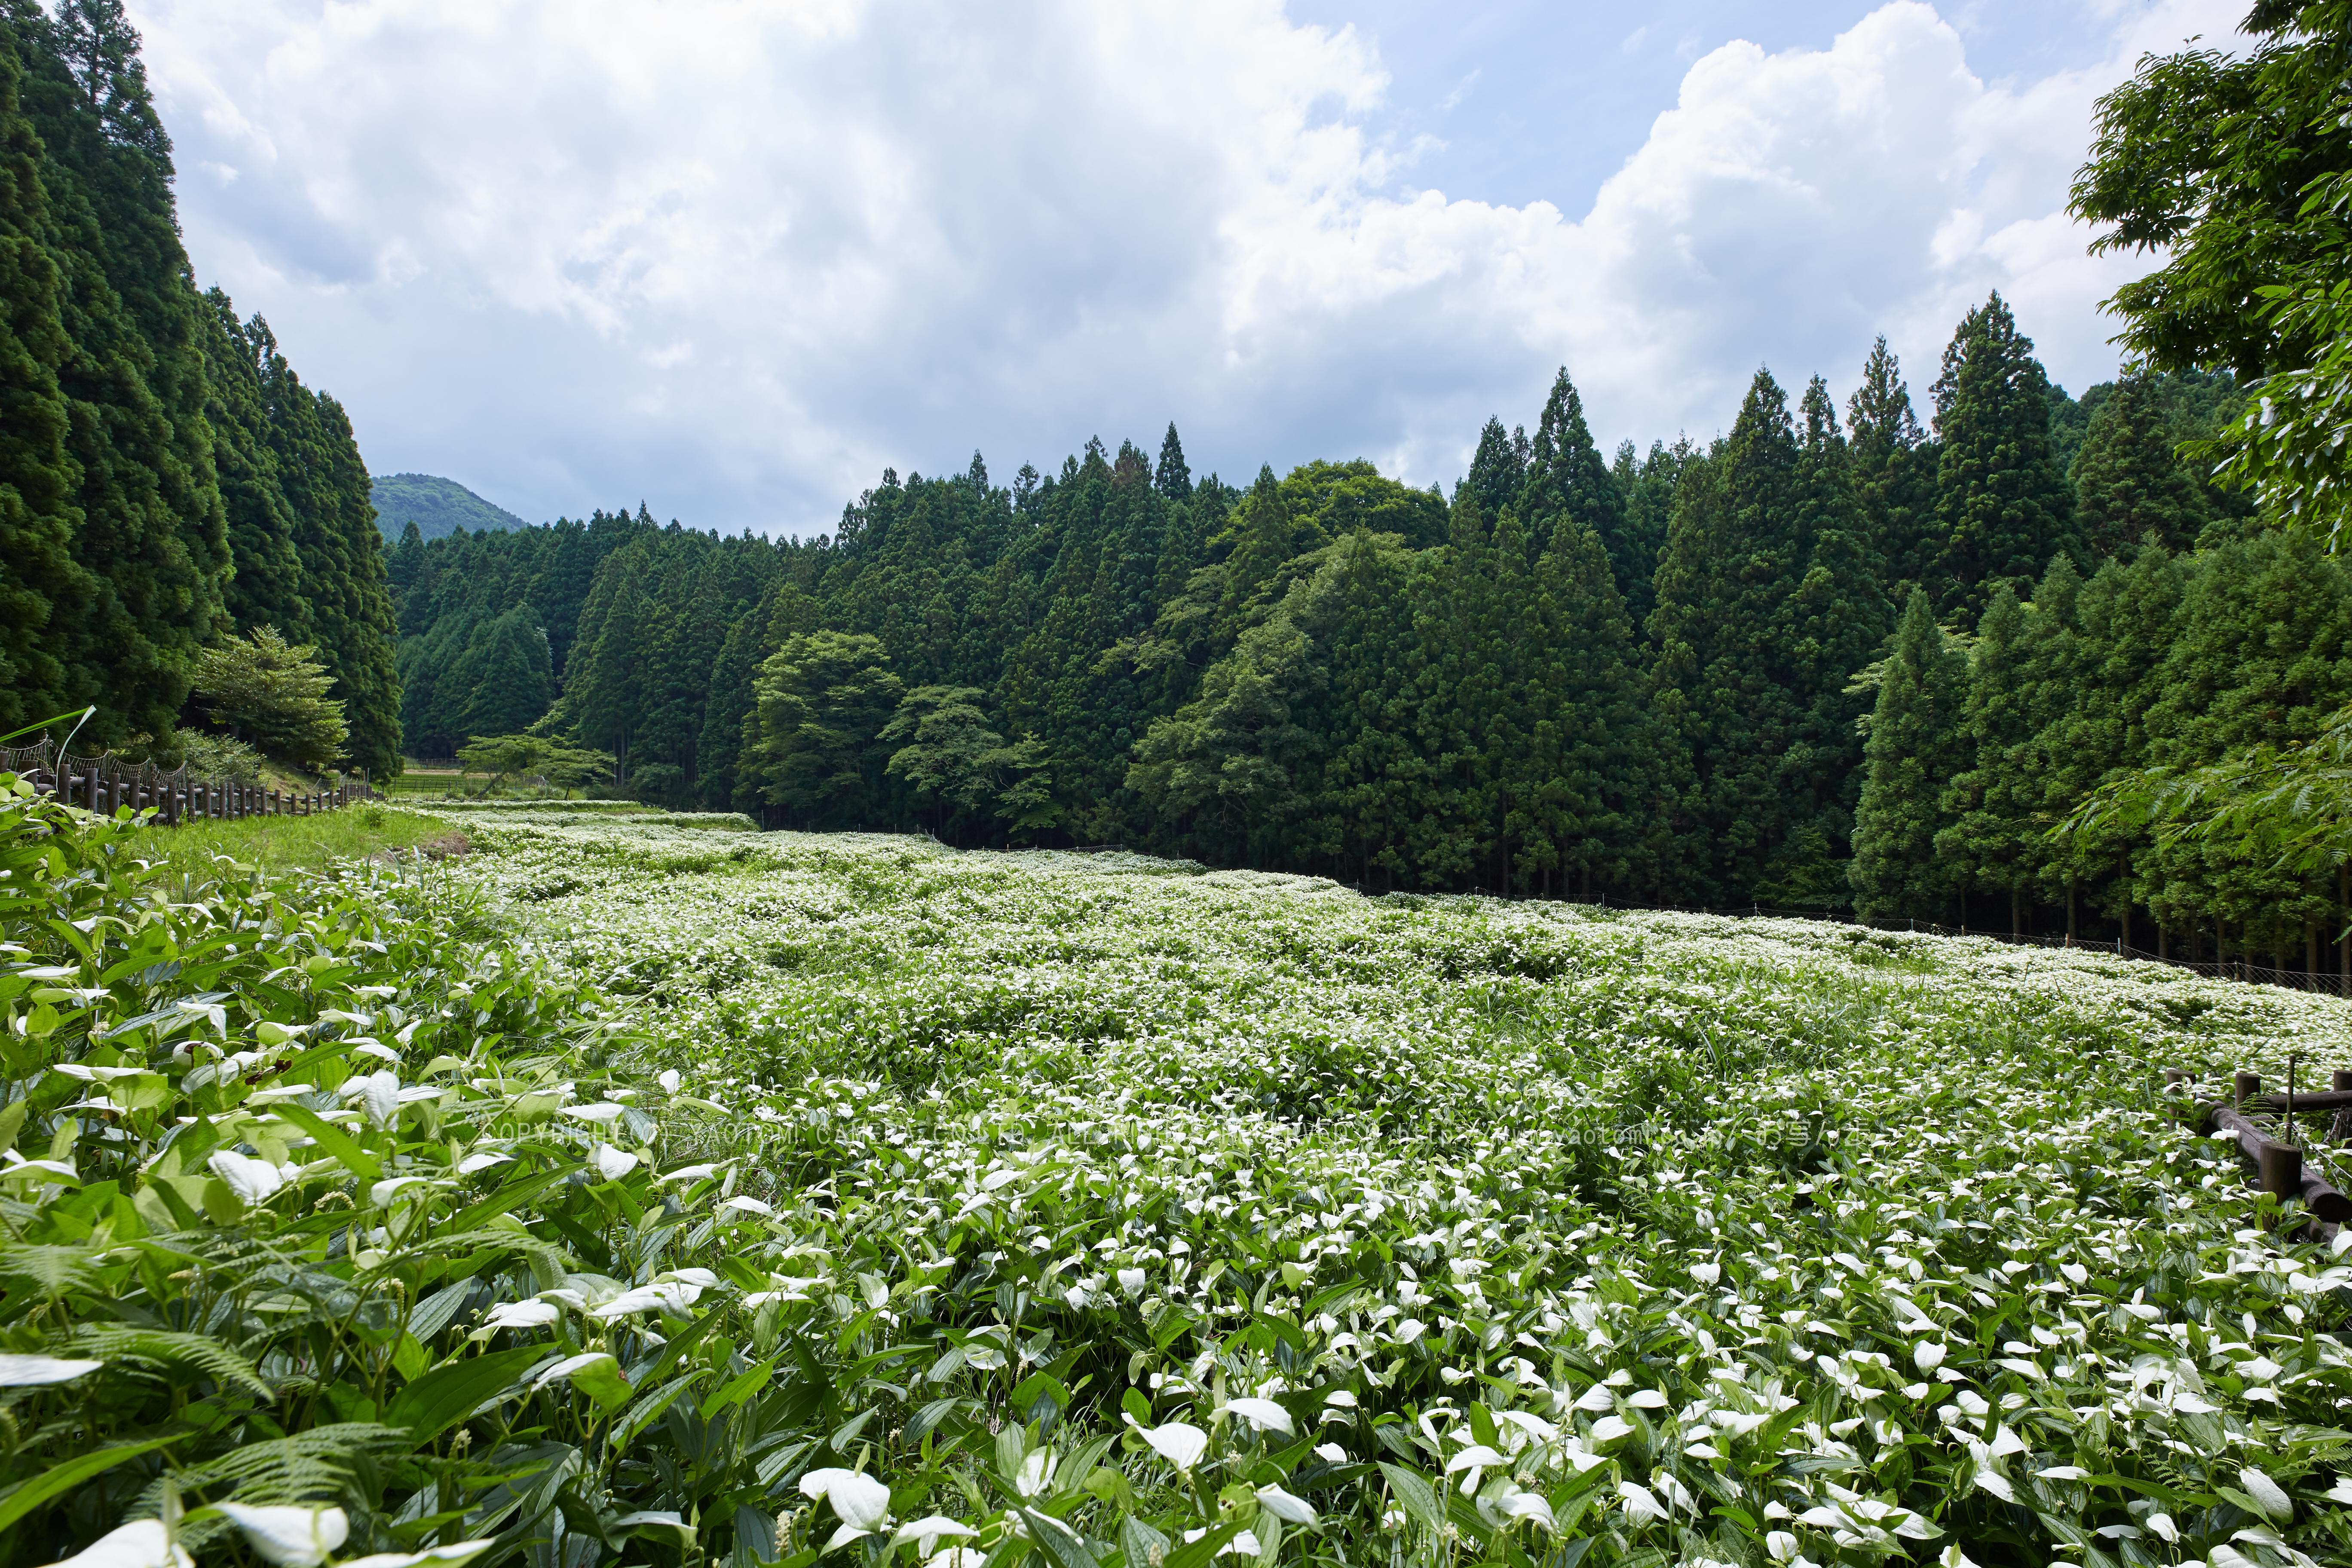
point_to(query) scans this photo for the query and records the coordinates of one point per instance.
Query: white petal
(1640, 1503)
(431, 1557)
(862, 1501)
(1477, 1454)
(1178, 1443)
(291, 1537)
(747, 1205)
(251, 1180)
(687, 1173)
(483, 1162)
(1283, 1506)
(2267, 1492)
(595, 1111)
(138, 1544)
(523, 1314)
(929, 1528)
(668, 1080)
(1263, 1413)
(613, 1163)
(39, 1371)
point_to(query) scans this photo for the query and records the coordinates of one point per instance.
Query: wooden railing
(107, 785)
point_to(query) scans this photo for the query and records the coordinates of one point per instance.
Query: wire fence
(107, 783)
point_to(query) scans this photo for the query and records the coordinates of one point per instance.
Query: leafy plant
(633, 1192)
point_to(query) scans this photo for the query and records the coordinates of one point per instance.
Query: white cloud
(737, 257)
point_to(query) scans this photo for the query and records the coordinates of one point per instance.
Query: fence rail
(107, 784)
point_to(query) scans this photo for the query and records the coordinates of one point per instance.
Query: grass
(289, 843)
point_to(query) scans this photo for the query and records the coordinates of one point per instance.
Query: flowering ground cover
(650, 1190)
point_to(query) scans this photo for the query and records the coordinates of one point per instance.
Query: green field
(644, 1189)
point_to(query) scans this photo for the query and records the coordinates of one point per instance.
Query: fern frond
(159, 1348)
(52, 1271)
(315, 1466)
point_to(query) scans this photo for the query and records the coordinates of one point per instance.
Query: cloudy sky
(732, 257)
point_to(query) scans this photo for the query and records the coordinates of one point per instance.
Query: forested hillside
(165, 477)
(1647, 676)
(438, 507)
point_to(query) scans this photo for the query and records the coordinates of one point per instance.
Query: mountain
(438, 507)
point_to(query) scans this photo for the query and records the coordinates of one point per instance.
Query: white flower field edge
(633, 1192)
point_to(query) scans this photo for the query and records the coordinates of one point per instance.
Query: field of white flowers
(641, 1189)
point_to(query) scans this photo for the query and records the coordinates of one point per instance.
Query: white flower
(382, 1192)
(1131, 1280)
(1927, 1356)
(1641, 1505)
(863, 1502)
(1781, 1544)
(689, 1175)
(138, 1544)
(666, 1296)
(2269, 1494)
(1285, 1506)
(1646, 1399)
(1181, 1445)
(599, 1111)
(379, 1096)
(288, 1536)
(2161, 1523)
(669, 1081)
(926, 1532)
(747, 1205)
(1706, 1273)
(1512, 1504)
(521, 1315)
(482, 1160)
(253, 1181)
(956, 1557)
(613, 1163)
(1608, 1428)
(1331, 1453)
(1264, 1413)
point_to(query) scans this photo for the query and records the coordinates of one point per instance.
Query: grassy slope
(287, 843)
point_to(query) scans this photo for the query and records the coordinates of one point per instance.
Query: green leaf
(1415, 1495)
(333, 1140)
(64, 1478)
(1066, 1545)
(742, 1386)
(447, 1395)
(1199, 1554)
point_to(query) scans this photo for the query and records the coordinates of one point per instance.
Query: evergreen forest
(166, 479)
(1858, 654)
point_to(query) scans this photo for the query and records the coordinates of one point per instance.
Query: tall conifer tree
(1910, 753)
(2002, 509)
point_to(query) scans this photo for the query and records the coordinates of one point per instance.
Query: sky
(731, 259)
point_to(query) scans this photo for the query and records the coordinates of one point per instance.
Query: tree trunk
(2163, 942)
(2016, 912)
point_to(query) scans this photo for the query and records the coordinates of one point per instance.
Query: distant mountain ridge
(438, 507)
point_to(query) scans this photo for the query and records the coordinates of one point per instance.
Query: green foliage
(945, 751)
(2001, 505)
(824, 699)
(437, 507)
(163, 476)
(273, 696)
(519, 756)
(1896, 872)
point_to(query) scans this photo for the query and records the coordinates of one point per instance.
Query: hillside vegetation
(662, 1192)
(435, 507)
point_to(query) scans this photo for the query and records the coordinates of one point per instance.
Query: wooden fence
(109, 783)
(2267, 1136)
